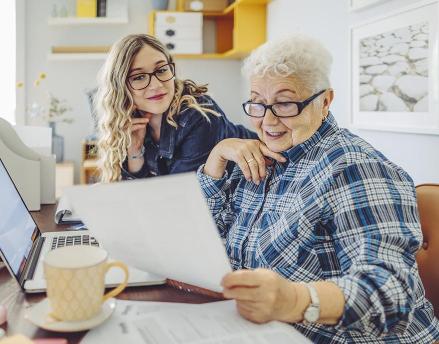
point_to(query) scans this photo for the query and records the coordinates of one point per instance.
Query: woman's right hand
(138, 132)
(250, 155)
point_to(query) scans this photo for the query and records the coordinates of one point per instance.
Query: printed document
(178, 323)
(160, 225)
(64, 213)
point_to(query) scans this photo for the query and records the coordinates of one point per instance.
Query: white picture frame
(355, 5)
(395, 71)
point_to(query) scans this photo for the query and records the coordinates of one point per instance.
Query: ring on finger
(250, 160)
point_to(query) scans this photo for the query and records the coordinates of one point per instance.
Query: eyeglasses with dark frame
(141, 81)
(281, 109)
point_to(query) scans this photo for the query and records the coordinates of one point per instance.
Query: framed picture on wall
(355, 5)
(395, 71)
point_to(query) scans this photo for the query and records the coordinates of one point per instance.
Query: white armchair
(33, 173)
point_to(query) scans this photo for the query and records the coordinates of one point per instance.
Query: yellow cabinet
(240, 28)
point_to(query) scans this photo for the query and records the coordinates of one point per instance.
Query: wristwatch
(312, 313)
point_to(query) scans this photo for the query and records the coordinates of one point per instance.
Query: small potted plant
(54, 110)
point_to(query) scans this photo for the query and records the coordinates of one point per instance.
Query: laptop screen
(17, 228)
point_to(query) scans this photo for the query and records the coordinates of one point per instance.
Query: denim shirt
(186, 147)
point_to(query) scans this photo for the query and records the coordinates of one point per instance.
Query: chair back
(428, 255)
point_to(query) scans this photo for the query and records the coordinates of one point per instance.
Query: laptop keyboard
(73, 240)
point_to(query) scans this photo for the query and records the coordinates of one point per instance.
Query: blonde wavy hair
(114, 103)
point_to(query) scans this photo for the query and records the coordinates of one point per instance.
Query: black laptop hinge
(34, 256)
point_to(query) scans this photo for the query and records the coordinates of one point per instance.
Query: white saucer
(39, 315)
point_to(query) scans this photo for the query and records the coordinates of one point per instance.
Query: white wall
(69, 79)
(20, 94)
(330, 21)
(7, 60)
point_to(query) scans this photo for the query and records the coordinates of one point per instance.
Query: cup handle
(116, 291)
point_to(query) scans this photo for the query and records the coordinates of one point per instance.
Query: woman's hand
(248, 154)
(138, 132)
(262, 295)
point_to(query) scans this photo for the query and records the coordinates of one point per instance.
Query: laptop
(23, 245)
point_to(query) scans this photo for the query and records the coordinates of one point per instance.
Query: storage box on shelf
(89, 170)
(181, 32)
(239, 28)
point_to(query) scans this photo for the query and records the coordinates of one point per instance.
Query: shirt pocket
(325, 249)
(277, 239)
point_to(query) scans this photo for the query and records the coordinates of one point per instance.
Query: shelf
(90, 163)
(229, 9)
(69, 21)
(89, 172)
(232, 6)
(236, 34)
(232, 54)
(76, 56)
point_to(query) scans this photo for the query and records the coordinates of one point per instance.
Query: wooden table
(17, 302)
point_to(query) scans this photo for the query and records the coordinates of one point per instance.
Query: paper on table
(160, 225)
(64, 213)
(172, 323)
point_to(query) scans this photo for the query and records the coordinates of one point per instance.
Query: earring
(325, 117)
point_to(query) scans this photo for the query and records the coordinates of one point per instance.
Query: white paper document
(160, 225)
(64, 213)
(178, 323)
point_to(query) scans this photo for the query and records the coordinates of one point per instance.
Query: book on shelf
(86, 8)
(101, 8)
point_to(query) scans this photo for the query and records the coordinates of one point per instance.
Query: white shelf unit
(71, 21)
(76, 56)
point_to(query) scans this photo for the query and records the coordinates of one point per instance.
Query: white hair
(296, 55)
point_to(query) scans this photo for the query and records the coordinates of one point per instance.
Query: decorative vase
(57, 143)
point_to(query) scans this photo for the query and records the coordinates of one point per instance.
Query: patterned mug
(75, 278)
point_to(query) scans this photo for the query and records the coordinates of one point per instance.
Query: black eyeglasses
(281, 109)
(142, 80)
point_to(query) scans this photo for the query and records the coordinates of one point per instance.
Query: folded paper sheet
(160, 225)
(64, 213)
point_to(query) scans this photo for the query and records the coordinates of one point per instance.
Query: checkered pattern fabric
(338, 210)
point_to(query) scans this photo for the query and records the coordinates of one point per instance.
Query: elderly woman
(322, 229)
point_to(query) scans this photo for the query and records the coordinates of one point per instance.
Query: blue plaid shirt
(337, 210)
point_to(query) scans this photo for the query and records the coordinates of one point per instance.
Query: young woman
(151, 122)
